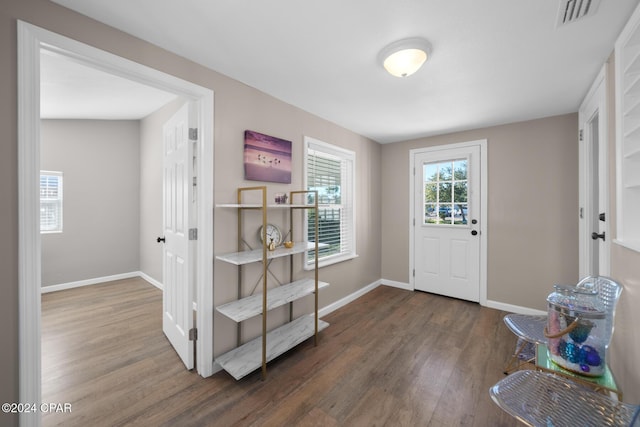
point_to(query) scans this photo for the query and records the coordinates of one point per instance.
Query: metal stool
(530, 332)
(542, 399)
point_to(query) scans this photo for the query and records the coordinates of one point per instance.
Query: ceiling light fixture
(405, 57)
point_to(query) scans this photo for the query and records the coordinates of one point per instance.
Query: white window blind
(330, 171)
(50, 202)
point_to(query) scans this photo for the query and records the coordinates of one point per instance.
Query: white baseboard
(394, 284)
(87, 282)
(515, 308)
(151, 280)
(97, 280)
(346, 300)
(159, 285)
(406, 286)
(322, 312)
(491, 304)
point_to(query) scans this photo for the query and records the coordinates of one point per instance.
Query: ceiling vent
(573, 10)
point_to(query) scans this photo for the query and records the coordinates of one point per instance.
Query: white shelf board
(634, 245)
(240, 205)
(248, 357)
(259, 205)
(632, 152)
(255, 255)
(287, 205)
(632, 87)
(251, 306)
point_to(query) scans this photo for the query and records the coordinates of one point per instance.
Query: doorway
(594, 219)
(31, 40)
(448, 220)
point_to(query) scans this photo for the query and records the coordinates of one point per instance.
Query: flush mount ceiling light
(405, 57)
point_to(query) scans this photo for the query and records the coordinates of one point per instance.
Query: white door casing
(31, 39)
(593, 181)
(177, 296)
(449, 259)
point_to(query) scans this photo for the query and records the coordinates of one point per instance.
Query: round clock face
(273, 232)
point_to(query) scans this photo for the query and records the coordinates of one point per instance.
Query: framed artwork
(266, 158)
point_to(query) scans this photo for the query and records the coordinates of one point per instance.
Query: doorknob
(160, 239)
(596, 236)
(474, 232)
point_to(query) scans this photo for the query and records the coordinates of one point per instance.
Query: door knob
(474, 232)
(596, 236)
(160, 239)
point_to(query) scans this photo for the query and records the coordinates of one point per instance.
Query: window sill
(330, 261)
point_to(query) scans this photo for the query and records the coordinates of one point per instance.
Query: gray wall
(100, 162)
(112, 197)
(233, 117)
(624, 351)
(532, 227)
(237, 108)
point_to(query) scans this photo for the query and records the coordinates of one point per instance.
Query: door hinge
(581, 135)
(193, 334)
(193, 234)
(193, 134)
(414, 272)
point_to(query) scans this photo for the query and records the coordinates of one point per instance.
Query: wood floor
(390, 358)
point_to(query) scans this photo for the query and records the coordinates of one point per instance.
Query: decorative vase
(577, 330)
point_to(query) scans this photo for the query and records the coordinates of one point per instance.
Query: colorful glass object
(577, 330)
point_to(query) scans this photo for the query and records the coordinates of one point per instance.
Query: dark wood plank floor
(391, 358)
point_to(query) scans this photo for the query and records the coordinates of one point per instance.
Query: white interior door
(447, 222)
(594, 234)
(177, 311)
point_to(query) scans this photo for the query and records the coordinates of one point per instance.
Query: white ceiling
(493, 61)
(70, 90)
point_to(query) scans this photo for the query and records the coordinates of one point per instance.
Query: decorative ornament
(589, 355)
(581, 332)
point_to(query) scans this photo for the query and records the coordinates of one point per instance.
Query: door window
(445, 196)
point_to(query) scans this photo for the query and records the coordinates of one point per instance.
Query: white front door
(177, 308)
(447, 222)
(594, 217)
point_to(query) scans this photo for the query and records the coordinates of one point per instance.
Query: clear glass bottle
(577, 330)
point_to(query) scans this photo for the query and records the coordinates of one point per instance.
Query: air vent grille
(573, 10)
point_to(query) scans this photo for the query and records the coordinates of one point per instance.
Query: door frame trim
(482, 143)
(31, 39)
(594, 100)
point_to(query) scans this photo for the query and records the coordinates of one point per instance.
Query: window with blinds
(50, 202)
(330, 171)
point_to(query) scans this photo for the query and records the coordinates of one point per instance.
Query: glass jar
(577, 330)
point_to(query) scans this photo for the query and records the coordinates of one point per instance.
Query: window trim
(343, 154)
(59, 200)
